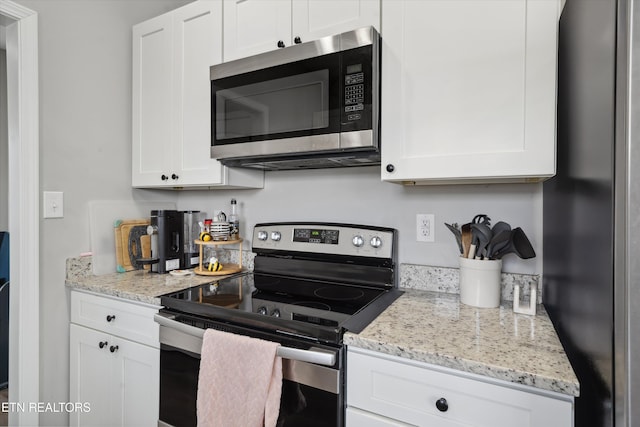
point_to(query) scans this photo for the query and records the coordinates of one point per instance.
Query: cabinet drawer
(408, 392)
(357, 418)
(116, 317)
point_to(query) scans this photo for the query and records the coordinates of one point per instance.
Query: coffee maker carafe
(166, 240)
(191, 232)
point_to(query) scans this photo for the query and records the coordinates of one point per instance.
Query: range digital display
(315, 235)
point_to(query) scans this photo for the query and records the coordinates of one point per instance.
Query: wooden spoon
(466, 239)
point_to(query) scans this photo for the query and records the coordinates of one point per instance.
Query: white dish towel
(240, 381)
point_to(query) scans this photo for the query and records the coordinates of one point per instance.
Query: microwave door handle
(310, 356)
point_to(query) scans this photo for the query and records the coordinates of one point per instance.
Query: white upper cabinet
(152, 101)
(314, 19)
(172, 101)
(468, 90)
(256, 26)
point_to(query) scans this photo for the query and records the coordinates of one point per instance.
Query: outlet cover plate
(425, 227)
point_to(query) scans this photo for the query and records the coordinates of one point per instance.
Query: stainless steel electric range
(311, 283)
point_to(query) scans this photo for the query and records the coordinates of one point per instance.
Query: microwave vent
(284, 163)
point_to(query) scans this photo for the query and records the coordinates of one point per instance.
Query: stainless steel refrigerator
(591, 247)
(4, 309)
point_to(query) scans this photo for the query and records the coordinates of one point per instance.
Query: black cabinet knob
(164, 177)
(102, 344)
(297, 40)
(110, 317)
(174, 176)
(390, 168)
(280, 43)
(442, 404)
(113, 348)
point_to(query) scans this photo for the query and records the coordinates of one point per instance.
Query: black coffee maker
(167, 246)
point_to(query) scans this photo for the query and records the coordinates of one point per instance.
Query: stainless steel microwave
(310, 105)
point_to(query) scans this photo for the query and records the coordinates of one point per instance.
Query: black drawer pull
(110, 317)
(102, 344)
(113, 348)
(442, 404)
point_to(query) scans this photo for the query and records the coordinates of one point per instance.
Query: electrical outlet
(425, 227)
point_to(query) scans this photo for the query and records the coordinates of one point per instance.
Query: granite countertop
(436, 328)
(139, 285)
(430, 325)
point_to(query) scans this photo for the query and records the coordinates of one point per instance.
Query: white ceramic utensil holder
(480, 282)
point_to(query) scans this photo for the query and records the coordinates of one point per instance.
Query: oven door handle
(310, 356)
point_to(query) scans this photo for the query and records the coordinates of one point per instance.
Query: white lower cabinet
(116, 378)
(386, 390)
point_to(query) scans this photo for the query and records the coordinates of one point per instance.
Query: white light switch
(53, 203)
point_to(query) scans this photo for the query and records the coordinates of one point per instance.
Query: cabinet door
(197, 46)
(314, 19)
(468, 89)
(90, 377)
(120, 381)
(136, 384)
(255, 26)
(152, 101)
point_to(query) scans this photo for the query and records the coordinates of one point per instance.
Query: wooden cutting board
(122, 229)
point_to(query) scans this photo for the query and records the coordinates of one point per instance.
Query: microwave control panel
(354, 92)
(359, 86)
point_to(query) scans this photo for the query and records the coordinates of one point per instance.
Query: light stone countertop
(139, 285)
(436, 328)
(424, 324)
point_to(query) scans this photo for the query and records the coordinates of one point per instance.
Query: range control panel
(329, 238)
(316, 235)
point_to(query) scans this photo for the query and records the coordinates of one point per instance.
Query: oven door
(312, 389)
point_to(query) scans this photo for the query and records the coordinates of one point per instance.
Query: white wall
(357, 195)
(85, 147)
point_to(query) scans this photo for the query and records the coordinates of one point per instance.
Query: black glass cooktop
(313, 308)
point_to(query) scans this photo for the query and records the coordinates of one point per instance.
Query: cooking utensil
(455, 229)
(481, 219)
(482, 235)
(498, 242)
(518, 244)
(466, 239)
(500, 226)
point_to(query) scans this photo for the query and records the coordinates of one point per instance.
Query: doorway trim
(24, 209)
